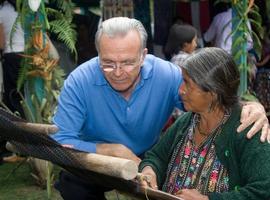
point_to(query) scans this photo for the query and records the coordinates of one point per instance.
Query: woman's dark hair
(178, 36)
(214, 70)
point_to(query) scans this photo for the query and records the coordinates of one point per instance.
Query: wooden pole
(111, 166)
(107, 165)
(37, 127)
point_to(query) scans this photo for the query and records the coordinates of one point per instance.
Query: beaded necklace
(196, 167)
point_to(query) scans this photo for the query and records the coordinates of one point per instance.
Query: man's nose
(118, 71)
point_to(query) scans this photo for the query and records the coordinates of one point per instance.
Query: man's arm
(117, 150)
(70, 116)
(253, 112)
(210, 34)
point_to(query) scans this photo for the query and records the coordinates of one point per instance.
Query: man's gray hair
(120, 26)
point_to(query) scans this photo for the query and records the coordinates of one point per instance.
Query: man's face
(121, 60)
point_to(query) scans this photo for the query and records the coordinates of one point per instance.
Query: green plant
(244, 11)
(40, 76)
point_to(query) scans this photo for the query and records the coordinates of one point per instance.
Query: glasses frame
(128, 67)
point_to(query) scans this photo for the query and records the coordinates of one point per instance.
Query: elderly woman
(201, 156)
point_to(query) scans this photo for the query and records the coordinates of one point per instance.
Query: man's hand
(253, 112)
(117, 150)
(190, 194)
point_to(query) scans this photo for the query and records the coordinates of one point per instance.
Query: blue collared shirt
(91, 112)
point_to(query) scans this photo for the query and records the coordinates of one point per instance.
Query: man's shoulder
(160, 64)
(88, 66)
(88, 70)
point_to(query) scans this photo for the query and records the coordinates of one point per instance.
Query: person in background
(117, 103)
(11, 59)
(182, 41)
(201, 156)
(12, 48)
(218, 34)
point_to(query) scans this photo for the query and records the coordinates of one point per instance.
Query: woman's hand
(151, 178)
(253, 112)
(190, 194)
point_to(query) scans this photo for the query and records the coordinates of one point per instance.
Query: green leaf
(237, 42)
(258, 27)
(238, 55)
(65, 32)
(257, 44)
(67, 7)
(247, 96)
(255, 16)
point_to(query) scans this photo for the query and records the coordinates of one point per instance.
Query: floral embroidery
(194, 167)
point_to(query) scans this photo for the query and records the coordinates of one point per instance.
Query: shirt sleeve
(178, 81)
(210, 34)
(71, 115)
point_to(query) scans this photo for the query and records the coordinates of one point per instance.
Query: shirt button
(227, 153)
(128, 108)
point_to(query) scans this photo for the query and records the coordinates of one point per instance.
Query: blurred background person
(11, 59)
(12, 48)
(218, 34)
(182, 41)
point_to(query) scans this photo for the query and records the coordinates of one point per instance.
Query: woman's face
(190, 47)
(194, 98)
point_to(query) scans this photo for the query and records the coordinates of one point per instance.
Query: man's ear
(145, 51)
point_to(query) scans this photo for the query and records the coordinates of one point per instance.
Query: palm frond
(254, 14)
(65, 32)
(54, 14)
(67, 7)
(257, 44)
(257, 27)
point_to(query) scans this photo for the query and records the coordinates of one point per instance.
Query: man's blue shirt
(91, 112)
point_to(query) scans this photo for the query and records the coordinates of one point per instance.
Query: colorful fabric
(246, 160)
(194, 167)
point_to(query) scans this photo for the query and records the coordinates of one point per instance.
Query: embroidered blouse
(198, 167)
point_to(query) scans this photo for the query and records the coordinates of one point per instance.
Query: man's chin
(120, 89)
(124, 89)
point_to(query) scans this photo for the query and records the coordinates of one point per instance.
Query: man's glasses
(126, 66)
